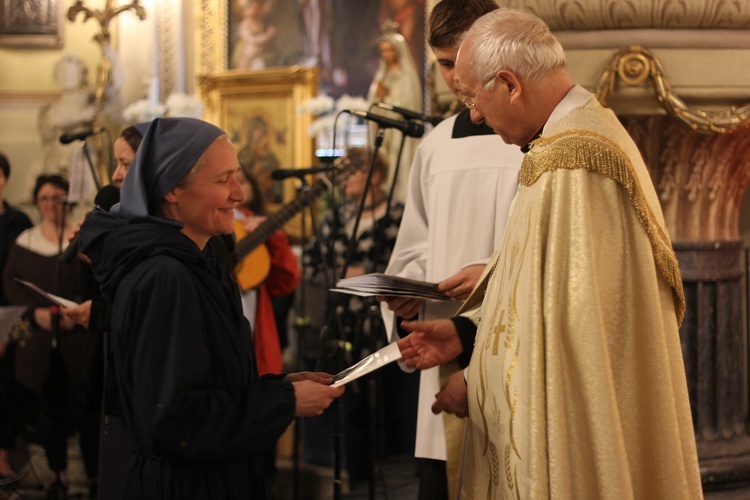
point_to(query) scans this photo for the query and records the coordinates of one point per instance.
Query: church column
(701, 180)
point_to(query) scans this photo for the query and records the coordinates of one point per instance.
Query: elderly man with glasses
(576, 387)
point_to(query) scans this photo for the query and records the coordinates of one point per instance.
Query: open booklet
(60, 301)
(369, 364)
(384, 284)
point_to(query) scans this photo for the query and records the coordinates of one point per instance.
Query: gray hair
(515, 40)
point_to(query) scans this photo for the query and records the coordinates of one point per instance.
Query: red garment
(283, 278)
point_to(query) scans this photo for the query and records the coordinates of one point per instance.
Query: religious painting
(258, 110)
(339, 37)
(31, 23)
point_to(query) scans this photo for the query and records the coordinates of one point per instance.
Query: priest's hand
(403, 307)
(430, 343)
(311, 397)
(460, 285)
(453, 397)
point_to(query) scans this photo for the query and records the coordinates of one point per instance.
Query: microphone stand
(302, 320)
(92, 168)
(334, 320)
(395, 173)
(57, 441)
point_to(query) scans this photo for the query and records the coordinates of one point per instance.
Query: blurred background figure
(50, 397)
(12, 223)
(380, 407)
(396, 82)
(254, 35)
(274, 273)
(409, 15)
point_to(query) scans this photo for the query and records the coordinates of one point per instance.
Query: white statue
(73, 112)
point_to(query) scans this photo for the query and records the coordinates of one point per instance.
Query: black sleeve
(169, 375)
(467, 331)
(100, 315)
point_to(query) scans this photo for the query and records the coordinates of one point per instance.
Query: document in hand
(369, 364)
(60, 301)
(385, 284)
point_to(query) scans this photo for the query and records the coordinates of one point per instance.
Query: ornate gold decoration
(596, 153)
(104, 17)
(634, 65)
(104, 73)
(20, 332)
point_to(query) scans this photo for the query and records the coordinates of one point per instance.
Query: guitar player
(278, 279)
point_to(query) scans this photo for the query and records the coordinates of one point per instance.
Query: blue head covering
(169, 149)
(142, 127)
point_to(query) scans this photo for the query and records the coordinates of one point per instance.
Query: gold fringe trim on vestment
(594, 152)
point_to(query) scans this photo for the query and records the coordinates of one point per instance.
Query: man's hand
(80, 314)
(431, 343)
(460, 285)
(403, 307)
(452, 397)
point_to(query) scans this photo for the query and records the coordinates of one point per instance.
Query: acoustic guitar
(253, 258)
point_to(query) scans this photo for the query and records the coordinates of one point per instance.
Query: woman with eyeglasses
(49, 400)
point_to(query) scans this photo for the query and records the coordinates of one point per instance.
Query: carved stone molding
(635, 66)
(700, 179)
(629, 14)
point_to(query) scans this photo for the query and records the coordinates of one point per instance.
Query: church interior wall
(707, 68)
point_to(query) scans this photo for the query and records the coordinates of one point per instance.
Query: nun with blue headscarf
(201, 421)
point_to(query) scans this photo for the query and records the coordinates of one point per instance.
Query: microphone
(408, 127)
(412, 115)
(79, 136)
(105, 199)
(284, 173)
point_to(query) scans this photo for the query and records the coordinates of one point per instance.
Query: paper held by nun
(55, 299)
(369, 364)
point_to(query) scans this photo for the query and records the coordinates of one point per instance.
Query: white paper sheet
(369, 364)
(60, 301)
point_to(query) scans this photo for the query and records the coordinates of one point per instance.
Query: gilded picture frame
(258, 110)
(31, 23)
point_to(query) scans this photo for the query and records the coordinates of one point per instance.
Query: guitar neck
(274, 222)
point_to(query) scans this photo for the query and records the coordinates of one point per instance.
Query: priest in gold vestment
(576, 387)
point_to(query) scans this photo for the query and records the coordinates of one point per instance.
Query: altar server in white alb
(461, 185)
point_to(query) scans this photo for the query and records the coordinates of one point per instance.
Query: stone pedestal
(714, 348)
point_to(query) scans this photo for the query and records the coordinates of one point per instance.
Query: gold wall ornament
(108, 63)
(634, 65)
(104, 17)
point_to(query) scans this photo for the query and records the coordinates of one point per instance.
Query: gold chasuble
(576, 386)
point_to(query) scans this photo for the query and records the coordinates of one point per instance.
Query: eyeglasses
(53, 199)
(469, 101)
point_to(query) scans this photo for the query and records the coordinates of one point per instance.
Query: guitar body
(253, 258)
(253, 268)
